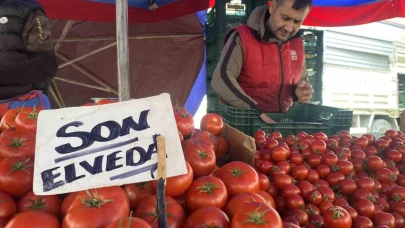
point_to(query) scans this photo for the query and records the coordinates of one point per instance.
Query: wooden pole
(122, 50)
(161, 182)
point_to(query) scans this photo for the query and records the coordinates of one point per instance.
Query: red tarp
(103, 12)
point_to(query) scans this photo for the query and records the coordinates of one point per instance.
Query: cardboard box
(241, 146)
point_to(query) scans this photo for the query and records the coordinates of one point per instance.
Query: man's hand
(304, 91)
(266, 118)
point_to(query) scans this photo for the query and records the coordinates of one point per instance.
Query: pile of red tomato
(340, 181)
(230, 196)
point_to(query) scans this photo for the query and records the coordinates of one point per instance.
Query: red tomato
(241, 199)
(177, 185)
(276, 135)
(278, 153)
(223, 146)
(138, 192)
(399, 221)
(365, 207)
(318, 147)
(294, 202)
(264, 182)
(89, 104)
(269, 199)
(129, 223)
(8, 120)
(362, 222)
(374, 163)
(282, 180)
(330, 159)
(213, 123)
(184, 120)
(147, 210)
(366, 183)
(259, 133)
(97, 208)
(314, 198)
(323, 170)
(7, 206)
(362, 142)
(337, 217)
(320, 136)
(34, 219)
(347, 186)
(105, 101)
(27, 120)
(256, 215)
(66, 203)
(392, 133)
(382, 218)
(332, 144)
(301, 216)
(17, 144)
(16, 176)
(305, 187)
(394, 155)
(208, 217)
(239, 177)
(206, 191)
(397, 193)
(201, 159)
(299, 172)
(32, 202)
(314, 160)
(296, 158)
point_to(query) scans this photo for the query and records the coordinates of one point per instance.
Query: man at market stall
(27, 59)
(262, 64)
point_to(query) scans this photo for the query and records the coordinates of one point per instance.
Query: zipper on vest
(280, 53)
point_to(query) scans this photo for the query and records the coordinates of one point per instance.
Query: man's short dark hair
(298, 4)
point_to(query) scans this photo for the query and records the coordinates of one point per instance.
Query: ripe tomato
(337, 217)
(371, 151)
(374, 163)
(129, 223)
(276, 135)
(223, 146)
(345, 167)
(314, 160)
(330, 159)
(315, 198)
(97, 208)
(347, 186)
(394, 155)
(239, 177)
(318, 147)
(8, 120)
(17, 144)
(382, 218)
(32, 202)
(213, 123)
(323, 170)
(206, 191)
(138, 192)
(313, 176)
(299, 172)
(34, 219)
(177, 185)
(66, 203)
(362, 142)
(241, 199)
(147, 210)
(327, 193)
(201, 159)
(391, 133)
(362, 222)
(365, 207)
(320, 136)
(208, 217)
(256, 215)
(296, 158)
(291, 190)
(399, 221)
(301, 216)
(269, 199)
(334, 178)
(366, 183)
(259, 133)
(301, 135)
(294, 202)
(16, 176)
(27, 120)
(278, 153)
(397, 193)
(281, 180)
(184, 120)
(264, 182)
(305, 187)
(7, 206)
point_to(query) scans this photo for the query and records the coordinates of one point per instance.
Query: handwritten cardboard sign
(90, 147)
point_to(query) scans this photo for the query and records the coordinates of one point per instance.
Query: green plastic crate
(309, 118)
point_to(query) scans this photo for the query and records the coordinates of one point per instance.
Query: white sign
(107, 145)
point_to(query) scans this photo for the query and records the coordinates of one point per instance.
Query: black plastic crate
(309, 118)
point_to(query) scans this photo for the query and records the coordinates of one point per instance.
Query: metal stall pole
(122, 50)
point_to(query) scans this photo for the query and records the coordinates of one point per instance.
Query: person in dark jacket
(27, 58)
(262, 64)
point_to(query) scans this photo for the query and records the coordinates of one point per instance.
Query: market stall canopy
(104, 10)
(165, 56)
(331, 13)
